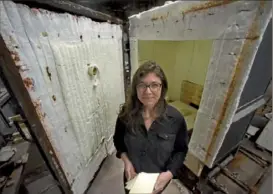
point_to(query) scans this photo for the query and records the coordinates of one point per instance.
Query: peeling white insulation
(55, 52)
(228, 25)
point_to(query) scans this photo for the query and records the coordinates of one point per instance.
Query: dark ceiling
(99, 10)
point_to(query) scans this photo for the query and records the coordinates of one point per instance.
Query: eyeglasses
(153, 86)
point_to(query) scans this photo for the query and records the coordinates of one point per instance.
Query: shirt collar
(170, 111)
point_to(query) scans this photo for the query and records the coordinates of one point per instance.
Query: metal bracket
(18, 122)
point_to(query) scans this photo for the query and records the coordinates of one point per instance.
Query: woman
(150, 135)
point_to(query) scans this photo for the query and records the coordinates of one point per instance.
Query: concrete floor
(110, 180)
(44, 185)
(266, 187)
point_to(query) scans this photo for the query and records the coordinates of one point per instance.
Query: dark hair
(130, 111)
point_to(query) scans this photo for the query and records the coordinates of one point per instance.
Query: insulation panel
(54, 53)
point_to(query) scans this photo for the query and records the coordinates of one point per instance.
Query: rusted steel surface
(207, 5)
(233, 177)
(255, 158)
(243, 174)
(196, 8)
(256, 155)
(255, 189)
(32, 111)
(238, 160)
(29, 83)
(241, 168)
(38, 108)
(162, 17)
(252, 36)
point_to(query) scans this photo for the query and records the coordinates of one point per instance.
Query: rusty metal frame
(37, 131)
(265, 164)
(255, 157)
(234, 178)
(251, 37)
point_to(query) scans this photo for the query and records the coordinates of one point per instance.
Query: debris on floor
(244, 173)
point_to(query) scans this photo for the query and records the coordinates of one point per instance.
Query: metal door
(67, 74)
(236, 28)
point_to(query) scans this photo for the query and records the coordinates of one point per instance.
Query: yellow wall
(180, 60)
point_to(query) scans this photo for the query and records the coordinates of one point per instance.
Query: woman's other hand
(130, 172)
(162, 181)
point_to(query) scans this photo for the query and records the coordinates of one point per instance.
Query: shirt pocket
(166, 142)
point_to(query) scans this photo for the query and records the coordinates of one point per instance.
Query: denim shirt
(163, 147)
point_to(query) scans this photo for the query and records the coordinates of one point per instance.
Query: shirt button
(143, 153)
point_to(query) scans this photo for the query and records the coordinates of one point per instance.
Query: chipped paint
(54, 98)
(161, 17)
(207, 5)
(48, 73)
(39, 110)
(28, 82)
(15, 57)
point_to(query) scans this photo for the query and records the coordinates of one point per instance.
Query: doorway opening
(185, 64)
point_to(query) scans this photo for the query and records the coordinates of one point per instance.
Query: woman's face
(149, 90)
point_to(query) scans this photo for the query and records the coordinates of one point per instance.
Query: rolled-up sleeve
(180, 148)
(119, 138)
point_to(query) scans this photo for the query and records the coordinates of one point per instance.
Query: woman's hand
(162, 180)
(130, 172)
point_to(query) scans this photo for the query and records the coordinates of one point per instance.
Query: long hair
(130, 111)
